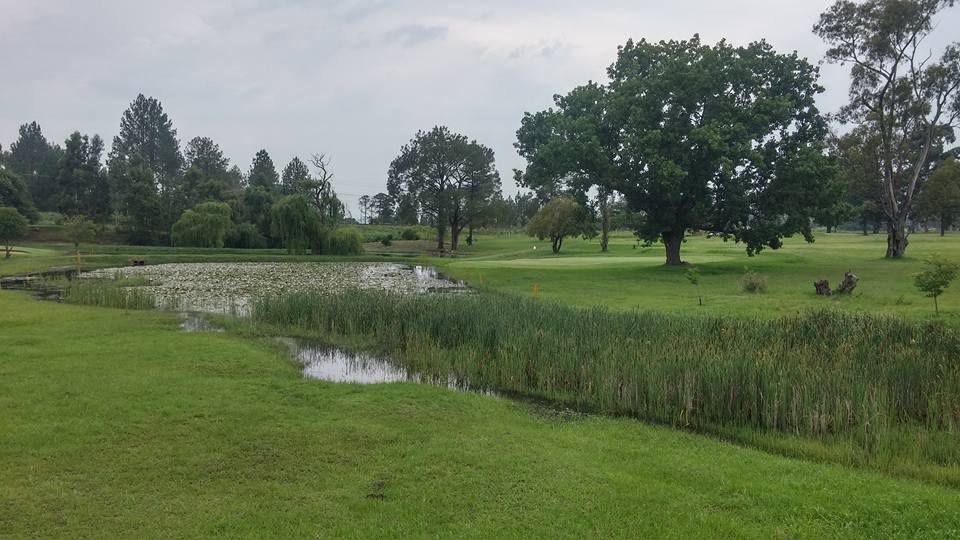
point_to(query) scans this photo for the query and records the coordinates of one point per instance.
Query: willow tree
(898, 88)
(295, 222)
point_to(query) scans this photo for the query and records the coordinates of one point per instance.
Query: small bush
(345, 242)
(409, 234)
(753, 282)
(387, 240)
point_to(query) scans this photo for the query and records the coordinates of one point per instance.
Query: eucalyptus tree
(447, 175)
(900, 89)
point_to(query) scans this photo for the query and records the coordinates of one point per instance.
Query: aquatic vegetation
(825, 374)
(229, 287)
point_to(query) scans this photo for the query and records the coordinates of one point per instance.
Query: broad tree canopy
(719, 138)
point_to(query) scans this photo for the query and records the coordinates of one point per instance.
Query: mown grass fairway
(116, 424)
(628, 277)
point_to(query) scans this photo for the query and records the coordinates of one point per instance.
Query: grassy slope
(113, 423)
(629, 277)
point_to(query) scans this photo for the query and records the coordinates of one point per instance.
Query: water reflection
(336, 365)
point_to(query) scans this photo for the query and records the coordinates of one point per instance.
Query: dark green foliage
(824, 374)
(262, 172)
(940, 198)
(82, 184)
(257, 202)
(719, 138)
(859, 172)
(382, 209)
(12, 227)
(386, 240)
(246, 236)
(143, 221)
(146, 131)
(295, 176)
(409, 234)
(205, 225)
(203, 154)
(14, 194)
(452, 179)
(35, 160)
(559, 218)
(407, 210)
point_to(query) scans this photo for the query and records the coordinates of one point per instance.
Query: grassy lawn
(114, 423)
(630, 277)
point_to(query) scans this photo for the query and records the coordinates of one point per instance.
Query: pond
(230, 287)
(336, 365)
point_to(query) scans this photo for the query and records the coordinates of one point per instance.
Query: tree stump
(823, 287)
(848, 284)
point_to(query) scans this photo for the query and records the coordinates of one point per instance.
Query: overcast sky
(353, 78)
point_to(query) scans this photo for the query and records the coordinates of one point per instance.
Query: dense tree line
(154, 192)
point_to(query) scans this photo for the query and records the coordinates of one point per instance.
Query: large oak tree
(719, 138)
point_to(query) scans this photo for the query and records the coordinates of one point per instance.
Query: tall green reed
(814, 374)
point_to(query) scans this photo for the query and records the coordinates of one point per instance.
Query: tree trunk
(604, 222)
(896, 239)
(440, 234)
(7, 256)
(864, 226)
(557, 242)
(672, 241)
(943, 226)
(829, 229)
(454, 238)
(470, 235)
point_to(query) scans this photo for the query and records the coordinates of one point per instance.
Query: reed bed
(818, 374)
(107, 293)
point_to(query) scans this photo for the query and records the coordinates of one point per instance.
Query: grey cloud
(414, 34)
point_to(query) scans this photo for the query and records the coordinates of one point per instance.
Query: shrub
(345, 242)
(12, 226)
(753, 282)
(409, 234)
(387, 239)
(936, 278)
